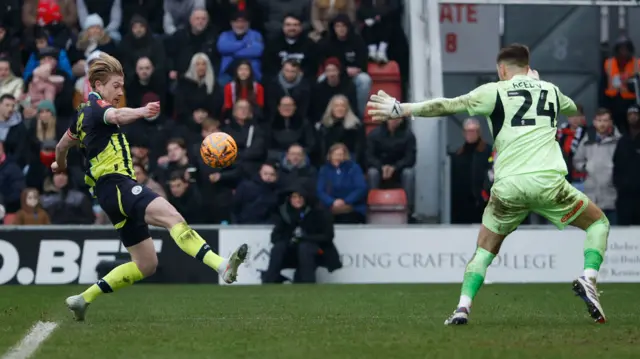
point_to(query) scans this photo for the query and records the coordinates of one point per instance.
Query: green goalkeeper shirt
(522, 114)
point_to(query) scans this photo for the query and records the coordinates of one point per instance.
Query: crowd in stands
(602, 156)
(286, 79)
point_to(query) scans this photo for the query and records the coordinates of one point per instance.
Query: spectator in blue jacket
(239, 43)
(42, 41)
(342, 187)
(11, 181)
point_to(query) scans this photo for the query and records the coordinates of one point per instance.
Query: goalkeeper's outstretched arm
(436, 107)
(477, 102)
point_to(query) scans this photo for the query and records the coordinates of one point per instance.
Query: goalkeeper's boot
(235, 260)
(78, 306)
(586, 289)
(459, 317)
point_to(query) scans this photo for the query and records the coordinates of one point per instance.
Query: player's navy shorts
(125, 202)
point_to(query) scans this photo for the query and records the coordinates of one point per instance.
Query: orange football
(218, 150)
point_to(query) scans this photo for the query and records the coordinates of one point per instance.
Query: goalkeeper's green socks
(191, 243)
(474, 276)
(121, 276)
(595, 246)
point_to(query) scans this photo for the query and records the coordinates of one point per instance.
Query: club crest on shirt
(136, 190)
(103, 103)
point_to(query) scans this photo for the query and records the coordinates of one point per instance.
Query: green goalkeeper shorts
(547, 193)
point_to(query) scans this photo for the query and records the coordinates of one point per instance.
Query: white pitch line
(38, 333)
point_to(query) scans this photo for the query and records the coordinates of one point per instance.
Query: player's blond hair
(102, 68)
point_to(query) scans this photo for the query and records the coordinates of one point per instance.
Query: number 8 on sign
(451, 42)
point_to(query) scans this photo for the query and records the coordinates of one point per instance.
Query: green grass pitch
(325, 321)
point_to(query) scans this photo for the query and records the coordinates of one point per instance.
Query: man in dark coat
(302, 238)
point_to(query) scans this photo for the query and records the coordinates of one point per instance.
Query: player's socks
(595, 246)
(474, 276)
(191, 243)
(121, 276)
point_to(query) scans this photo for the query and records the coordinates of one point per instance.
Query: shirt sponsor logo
(572, 212)
(103, 103)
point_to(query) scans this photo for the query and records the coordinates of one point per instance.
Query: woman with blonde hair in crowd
(198, 95)
(339, 124)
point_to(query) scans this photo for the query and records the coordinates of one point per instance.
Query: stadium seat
(385, 77)
(387, 206)
(10, 218)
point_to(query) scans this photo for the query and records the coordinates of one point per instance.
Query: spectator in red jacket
(243, 87)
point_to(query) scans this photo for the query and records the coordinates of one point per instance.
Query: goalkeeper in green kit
(530, 171)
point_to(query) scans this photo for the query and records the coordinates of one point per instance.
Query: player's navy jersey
(523, 115)
(103, 145)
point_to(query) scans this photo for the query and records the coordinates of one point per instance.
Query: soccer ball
(218, 150)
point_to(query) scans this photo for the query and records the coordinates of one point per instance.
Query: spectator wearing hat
(108, 10)
(94, 38)
(290, 44)
(151, 128)
(58, 17)
(344, 43)
(138, 43)
(626, 171)
(290, 82)
(150, 10)
(64, 96)
(334, 82)
(239, 43)
(42, 44)
(178, 14)
(200, 36)
(302, 238)
(13, 132)
(11, 180)
(222, 10)
(10, 46)
(9, 82)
